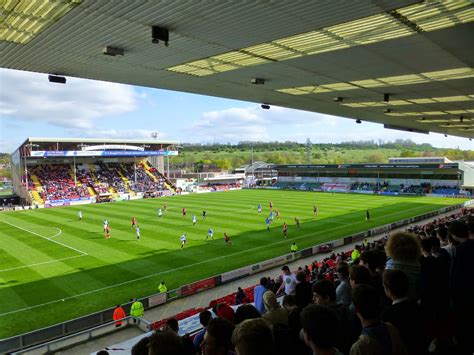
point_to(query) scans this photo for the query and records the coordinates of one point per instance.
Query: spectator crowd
(408, 293)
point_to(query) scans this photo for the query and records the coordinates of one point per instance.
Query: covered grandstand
(410, 177)
(60, 171)
(407, 64)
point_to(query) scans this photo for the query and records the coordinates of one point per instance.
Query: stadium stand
(424, 322)
(54, 182)
(51, 182)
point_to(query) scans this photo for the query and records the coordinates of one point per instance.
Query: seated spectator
(204, 318)
(258, 292)
(246, 311)
(343, 290)
(218, 337)
(404, 252)
(303, 293)
(376, 338)
(253, 337)
(404, 312)
(274, 313)
(320, 329)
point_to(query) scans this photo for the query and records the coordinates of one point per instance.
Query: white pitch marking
(42, 263)
(51, 240)
(184, 267)
(57, 234)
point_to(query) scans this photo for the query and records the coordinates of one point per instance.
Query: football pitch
(54, 267)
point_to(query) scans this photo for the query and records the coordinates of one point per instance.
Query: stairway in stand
(35, 194)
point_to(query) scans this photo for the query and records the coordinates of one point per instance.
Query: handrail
(127, 319)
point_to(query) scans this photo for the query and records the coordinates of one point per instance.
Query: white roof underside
(73, 45)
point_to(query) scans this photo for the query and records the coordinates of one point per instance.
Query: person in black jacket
(404, 312)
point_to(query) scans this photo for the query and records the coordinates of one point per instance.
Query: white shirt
(290, 283)
(159, 212)
(138, 230)
(183, 238)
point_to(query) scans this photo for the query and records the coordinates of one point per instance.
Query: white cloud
(29, 97)
(230, 125)
(115, 133)
(253, 123)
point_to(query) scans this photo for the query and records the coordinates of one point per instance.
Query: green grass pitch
(54, 267)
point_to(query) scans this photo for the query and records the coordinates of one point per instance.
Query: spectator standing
(275, 314)
(303, 292)
(204, 318)
(462, 287)
(404, 251)
(324, 294)
(253, 337)
(246, 311)
(376, 338)
(166, 342)
(343, 290)
(289, 281)
(258, 292)
(217, 339)
(320, 329)
(294, 323)
(119, 314)
(404, 312)
(239, 296)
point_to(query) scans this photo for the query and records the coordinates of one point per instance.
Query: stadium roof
(97, 140)
(333, 57)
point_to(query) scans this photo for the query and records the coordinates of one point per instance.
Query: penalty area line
(42, 263)
(191, 266)
(46, 238)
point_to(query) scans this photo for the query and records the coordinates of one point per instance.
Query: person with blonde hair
(275, 314)
(404, 251)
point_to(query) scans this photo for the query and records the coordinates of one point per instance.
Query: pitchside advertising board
(102, 153)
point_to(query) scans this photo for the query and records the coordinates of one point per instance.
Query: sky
(30, 106)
